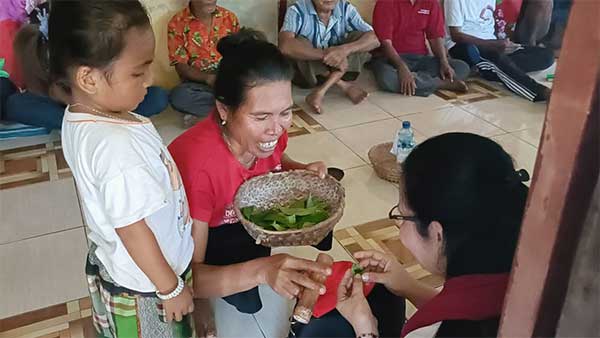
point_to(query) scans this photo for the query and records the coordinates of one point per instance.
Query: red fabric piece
(8, 31)
(470, 297)
(511, 10)
(408, 25)
(327, 302)
(212, 175)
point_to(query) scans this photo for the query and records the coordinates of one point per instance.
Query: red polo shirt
(407, 25)
(212, 175)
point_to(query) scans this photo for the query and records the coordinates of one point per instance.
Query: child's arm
(143, 248)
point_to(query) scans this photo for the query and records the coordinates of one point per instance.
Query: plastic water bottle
(404, 142)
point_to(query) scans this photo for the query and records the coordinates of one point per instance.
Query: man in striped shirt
(329, 42)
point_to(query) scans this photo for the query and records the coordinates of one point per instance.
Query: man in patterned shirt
(193, 35)
(329, 42)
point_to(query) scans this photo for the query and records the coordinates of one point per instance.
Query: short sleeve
(235, 23)
(129, 188)
(292, 21)
(201, 196)
(435, 27)
(453, 13)
(355, 21)
(384, 17)
(176, 42)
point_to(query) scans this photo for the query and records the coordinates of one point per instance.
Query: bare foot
(314, 101)
(455, 86)
(356, 94)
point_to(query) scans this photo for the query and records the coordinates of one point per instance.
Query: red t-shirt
(212, 175)
(407, 25)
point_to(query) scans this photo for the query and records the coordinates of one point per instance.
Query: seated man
(40, 102)
(404, 64)
(328, 39)
(471, 26)
(193, 35)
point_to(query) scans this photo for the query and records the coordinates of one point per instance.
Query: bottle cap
(405, 124)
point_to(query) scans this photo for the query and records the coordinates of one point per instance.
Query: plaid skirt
(118, 312)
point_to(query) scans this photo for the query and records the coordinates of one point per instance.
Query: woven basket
(276, 189)
(384, 163)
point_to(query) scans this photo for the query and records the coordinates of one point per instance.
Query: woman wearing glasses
(459, 214)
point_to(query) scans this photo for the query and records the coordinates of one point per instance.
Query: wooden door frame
(565, 174)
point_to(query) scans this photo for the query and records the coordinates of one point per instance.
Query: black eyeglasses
(395, 215)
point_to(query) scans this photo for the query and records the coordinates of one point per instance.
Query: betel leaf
(357, 269)
(297, 214)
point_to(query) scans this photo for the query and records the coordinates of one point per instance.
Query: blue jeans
(42, 111)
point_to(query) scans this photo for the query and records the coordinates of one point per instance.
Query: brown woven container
(384, 163)
(277, 189)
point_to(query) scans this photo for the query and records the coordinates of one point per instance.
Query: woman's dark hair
(248, 61)
(89, 33)
(468, 184)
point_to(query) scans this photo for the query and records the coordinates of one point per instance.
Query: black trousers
(389, 309)
(510, 69)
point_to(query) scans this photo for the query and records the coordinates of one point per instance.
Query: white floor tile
(400, 105)
(451, 119)
(368, 197)
(363, 137)
(54, 204)
(510, 113)
(42, 271)
(324, 147)
(523, 153)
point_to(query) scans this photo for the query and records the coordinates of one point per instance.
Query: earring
(223, 122)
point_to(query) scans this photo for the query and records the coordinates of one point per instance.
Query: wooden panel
(566, 170)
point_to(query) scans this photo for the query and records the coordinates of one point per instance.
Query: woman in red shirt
(244, 137)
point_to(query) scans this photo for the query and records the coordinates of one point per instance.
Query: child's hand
(179, 306)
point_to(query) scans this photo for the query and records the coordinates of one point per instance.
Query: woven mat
(382, 235)
(479, 90)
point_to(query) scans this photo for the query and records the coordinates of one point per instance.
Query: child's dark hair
(248, 60)
(89, 33)
(468, 183)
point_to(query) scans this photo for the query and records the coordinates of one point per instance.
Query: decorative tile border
(303, 123)
(68, 320)
(382, 235)
(32, 164)
(479, 90)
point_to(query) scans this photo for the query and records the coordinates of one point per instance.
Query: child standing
(130, 189)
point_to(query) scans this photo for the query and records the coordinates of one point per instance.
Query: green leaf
(357, 269)
(278, 227)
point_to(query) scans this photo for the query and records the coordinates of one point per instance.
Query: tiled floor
(341, 137)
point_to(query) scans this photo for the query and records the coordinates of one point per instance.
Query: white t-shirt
(124, 174)
(473, 17)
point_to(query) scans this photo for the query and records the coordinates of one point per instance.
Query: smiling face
(258, 123)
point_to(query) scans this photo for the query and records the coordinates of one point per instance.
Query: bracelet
(368, 335)
(173, 293)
